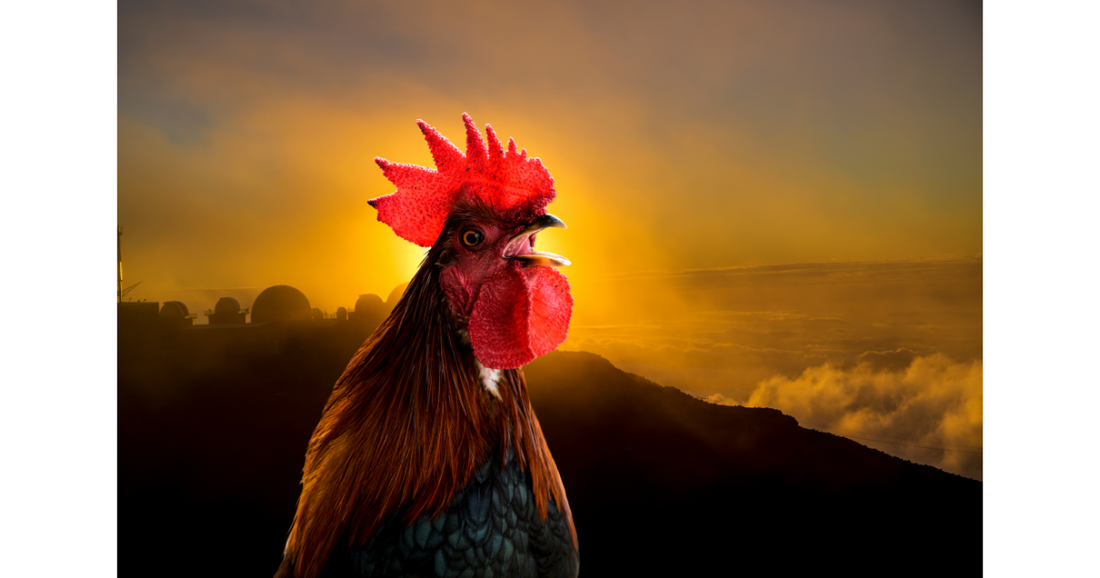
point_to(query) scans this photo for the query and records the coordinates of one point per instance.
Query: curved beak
(521, 247)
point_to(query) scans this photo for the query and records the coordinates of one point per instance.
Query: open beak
(521, 247)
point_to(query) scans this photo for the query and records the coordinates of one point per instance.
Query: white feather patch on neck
(489, 378)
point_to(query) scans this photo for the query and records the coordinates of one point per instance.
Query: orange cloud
(931, 401)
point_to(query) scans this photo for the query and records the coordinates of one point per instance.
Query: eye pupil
(471, 238)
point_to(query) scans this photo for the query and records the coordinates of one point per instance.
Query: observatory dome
(227, 306)
(370, 304)
(395, 296)
(369, 311)
(174, 310)
(174, 314)
(280, 303)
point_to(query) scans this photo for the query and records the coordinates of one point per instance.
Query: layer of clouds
(725, 331)
(893, 401)
(878, 349)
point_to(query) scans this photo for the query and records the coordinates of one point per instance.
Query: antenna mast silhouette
(120, 264)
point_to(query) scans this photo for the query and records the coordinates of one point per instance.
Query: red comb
(519, 188)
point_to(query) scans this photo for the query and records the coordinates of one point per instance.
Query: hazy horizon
(776, 204)
(888, 353)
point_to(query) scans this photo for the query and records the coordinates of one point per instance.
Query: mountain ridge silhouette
(659, 482)
(669, 460)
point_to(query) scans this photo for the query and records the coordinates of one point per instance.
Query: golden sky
(694, 147)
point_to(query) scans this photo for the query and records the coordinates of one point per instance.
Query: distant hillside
(211, 447)
(662, 482)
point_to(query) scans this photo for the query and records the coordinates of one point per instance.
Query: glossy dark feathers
(490, 529)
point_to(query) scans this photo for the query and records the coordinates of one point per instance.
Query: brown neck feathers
(405, 427)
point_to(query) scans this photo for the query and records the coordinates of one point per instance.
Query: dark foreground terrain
(213, 425)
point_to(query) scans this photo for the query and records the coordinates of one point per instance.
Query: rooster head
(481, 212)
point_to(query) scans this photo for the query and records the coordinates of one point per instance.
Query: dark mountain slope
(211, 447)
(662, 482)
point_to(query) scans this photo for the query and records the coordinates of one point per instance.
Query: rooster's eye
(471, 237)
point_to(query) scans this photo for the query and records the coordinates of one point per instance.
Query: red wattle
(551, 308)
(519, 315)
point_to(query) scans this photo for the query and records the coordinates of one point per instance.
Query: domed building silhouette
(281, 304)
(227, 310)
(395, 296)
(174, 314)
(369, 311)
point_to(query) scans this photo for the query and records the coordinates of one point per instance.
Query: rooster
(428, 459)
